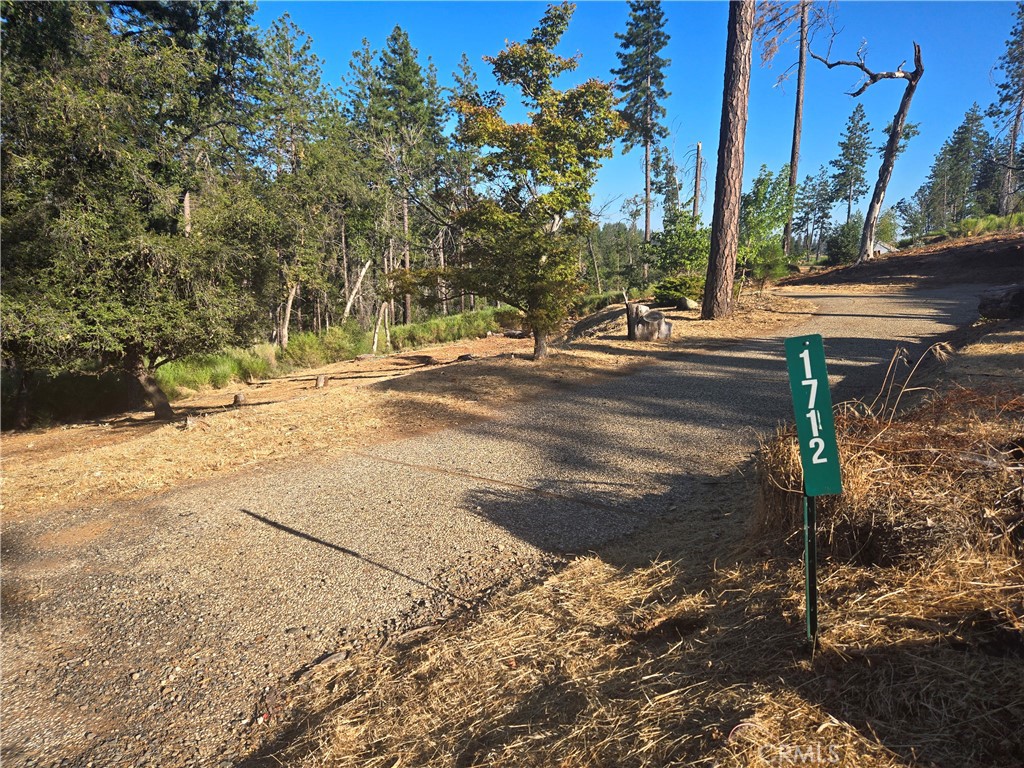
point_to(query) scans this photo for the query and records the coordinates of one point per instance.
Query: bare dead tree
(912, 78)
(774, 27)
(696, 183)
(725, 222)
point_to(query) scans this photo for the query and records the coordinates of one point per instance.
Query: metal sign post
(819, 452)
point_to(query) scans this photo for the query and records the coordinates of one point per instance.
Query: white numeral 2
(818, 458)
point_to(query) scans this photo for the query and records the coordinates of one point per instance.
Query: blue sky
(960, 41)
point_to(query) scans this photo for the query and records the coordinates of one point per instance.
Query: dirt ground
(365, 401)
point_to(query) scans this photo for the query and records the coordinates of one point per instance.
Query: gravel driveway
(156, 633)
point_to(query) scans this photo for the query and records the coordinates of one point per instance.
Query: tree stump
(321, 381)
(652, 326)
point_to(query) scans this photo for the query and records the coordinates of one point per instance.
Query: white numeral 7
(813, 384)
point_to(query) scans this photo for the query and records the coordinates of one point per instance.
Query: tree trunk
(593, 255)
(696, 185)
(647, 191)
(390, 259)
(355, 290)
(286, 317)
(725, 224)
(186, 212)
(376, 328)
(1007, 189)
(22, 411)
(540, 344)
(344, 256)
(407, 317)
(162, 410)
(442, 287)
(647, 160)
(867, 240)
(630, 325)
(798, 120)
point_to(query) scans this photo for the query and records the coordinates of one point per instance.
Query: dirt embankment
(993, 259)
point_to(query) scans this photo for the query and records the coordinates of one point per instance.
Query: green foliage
(848, 180)
(439, 330)
(813, 209)
(641, 74)
(763, 213)
(672, 290)
(887, 229)
(522, 241)
(508, 317)
(595, 302)
(986, 224)
(99, 144)
(843, 244)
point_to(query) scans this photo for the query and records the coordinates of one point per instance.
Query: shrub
(595, 302)
(441, 329)
(345, 342)
(305, 350)
(672, 290)
(843, 243)
(509, 317)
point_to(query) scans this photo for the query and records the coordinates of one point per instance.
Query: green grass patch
(438, 330)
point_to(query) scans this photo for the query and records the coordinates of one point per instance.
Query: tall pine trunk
(1007, 189)
(696, 184)
(407, 318)
(725, 224)
(647, 171)
(798, 120)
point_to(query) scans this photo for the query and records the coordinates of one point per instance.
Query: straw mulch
(920, 658)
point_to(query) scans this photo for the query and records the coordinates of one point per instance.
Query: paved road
(152, 643)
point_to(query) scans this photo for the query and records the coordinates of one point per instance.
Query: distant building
(884, 249)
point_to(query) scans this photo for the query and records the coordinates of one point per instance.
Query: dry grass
(699, 661)
(365, 402)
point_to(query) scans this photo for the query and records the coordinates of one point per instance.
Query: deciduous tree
(523, 238)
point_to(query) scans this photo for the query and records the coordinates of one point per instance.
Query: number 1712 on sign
(812, 406)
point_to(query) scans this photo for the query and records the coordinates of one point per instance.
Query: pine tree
(1008, 113)
(848, 180)
(774, 26)
(642, 82)
(957, 175)
(725, 222)
(410, 140)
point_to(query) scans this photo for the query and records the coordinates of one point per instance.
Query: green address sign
(812, 406)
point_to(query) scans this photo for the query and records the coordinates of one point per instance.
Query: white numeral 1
(806, 357)
(815, 418)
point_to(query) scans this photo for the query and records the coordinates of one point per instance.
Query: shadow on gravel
(686, 504)
(351, 553)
